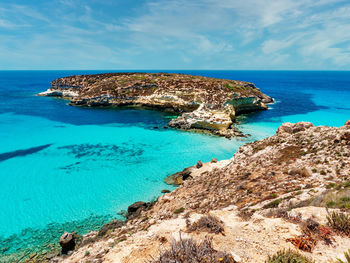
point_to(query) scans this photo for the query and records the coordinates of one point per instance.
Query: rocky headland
(201, 103)
(289, 193)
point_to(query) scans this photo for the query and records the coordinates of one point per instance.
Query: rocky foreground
(272, 194)
(202, 103)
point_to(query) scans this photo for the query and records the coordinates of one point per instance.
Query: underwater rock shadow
(24, 152)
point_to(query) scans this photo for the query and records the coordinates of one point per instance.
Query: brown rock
(67, 242)
(214, 160)
(347, 123)
(199, 164)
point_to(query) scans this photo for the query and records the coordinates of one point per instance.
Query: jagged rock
(202, 103)
(347, 123)
(67, 242)
(136, 208)
(114, 224)
(214, 160)
(179, 177)
(292, 128)
(199, 164)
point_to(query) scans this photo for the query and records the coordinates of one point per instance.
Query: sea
(65, 168)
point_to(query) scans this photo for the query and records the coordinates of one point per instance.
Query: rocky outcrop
(67, 242)
(265, 195)
(202, 103)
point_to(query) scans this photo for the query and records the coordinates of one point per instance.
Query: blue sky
(182, 34)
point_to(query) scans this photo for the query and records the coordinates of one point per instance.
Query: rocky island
(202, 103)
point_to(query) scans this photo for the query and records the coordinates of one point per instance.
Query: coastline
(169, 214)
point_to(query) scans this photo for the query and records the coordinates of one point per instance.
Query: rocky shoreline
(202, 103)
(273, 194)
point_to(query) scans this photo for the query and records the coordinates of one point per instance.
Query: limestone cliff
(202, 103)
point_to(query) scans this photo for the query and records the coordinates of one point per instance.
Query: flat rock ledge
(206, 104)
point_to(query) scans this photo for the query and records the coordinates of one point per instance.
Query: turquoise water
(69, 168)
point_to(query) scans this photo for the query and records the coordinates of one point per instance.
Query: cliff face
(201, 102)
(264, 196)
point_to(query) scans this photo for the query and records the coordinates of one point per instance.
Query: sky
(181, 34)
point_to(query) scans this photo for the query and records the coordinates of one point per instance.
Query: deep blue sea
(70, 168)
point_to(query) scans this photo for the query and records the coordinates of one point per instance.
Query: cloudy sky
(181, 34)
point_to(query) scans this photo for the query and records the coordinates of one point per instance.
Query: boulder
(347, 123)
(178, 178)
(67, 242)
(214, 160)
(136, 208)
(109, 227)
(291, 128)
(199, 164)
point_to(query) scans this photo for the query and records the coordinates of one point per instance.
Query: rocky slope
(263, 196)
(202, 103)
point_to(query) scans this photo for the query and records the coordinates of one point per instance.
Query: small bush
(209, 223)
(340, 222)
(273, 204)
(288, 256)
(347, 257)
(179, 210)
(189, 251)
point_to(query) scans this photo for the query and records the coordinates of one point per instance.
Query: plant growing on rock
(340, 222)
(190, 251)
(207, 223)
(288, 256)
(347, 257)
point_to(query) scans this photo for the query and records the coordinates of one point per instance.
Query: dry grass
(347, 257)
(189, 251)
(208, 223)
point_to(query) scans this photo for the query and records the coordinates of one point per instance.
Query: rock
(214, 160)
(178, 178)
(165, 127)
(67, 242)
(345, 137)
(236, 258)
(136, 208)
(109, 227)
(292, 128)
(164, 191)
(347, 123)
(199, 164)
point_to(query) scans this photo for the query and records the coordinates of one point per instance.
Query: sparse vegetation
(288, 256)
(340, 222)
(207, 223)
(179, 210)
(189, 251)
(273, 204)
(347, 257)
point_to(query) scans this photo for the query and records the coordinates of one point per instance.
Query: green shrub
(273, 204)
(179, 210)
(288, 256)
(340, 222)
(347, 257)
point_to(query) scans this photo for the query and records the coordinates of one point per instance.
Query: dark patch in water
(102, 150)
(59, 126)
(17, 153)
